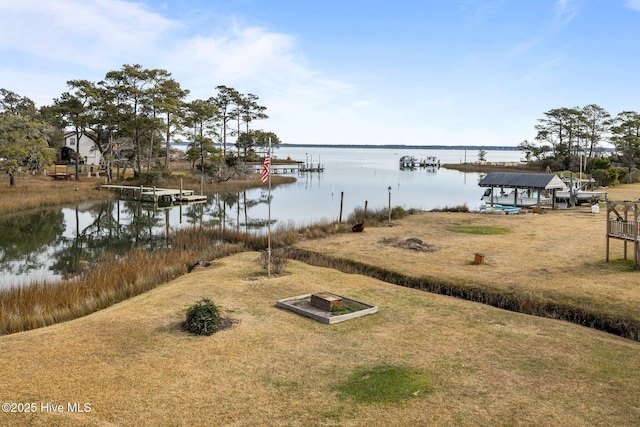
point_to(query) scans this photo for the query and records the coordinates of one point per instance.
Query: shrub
(458, 208)
(279, 260)
(601, 163)
(398, 212)
(601, 177)
(203, 318)
(152, 177)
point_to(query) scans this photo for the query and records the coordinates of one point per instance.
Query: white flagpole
(269, 220)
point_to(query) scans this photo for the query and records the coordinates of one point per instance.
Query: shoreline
(491, 167)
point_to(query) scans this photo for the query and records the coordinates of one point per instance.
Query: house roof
(538, 181)
(82, 133)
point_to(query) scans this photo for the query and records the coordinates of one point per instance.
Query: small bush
(398, 212)
(203, 318)
(279, 260)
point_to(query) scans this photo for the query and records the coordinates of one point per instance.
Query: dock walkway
(286, 168)
(154, 194)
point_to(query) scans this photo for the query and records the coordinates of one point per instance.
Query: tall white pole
(269, 220)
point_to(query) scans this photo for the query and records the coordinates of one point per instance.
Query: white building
(89, 154)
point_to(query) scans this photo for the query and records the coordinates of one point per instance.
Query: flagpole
(269, 220)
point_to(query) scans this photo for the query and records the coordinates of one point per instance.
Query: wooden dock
(155, 195)
(309, 168)
(290, 168)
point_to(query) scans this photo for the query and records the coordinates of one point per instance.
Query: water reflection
(58, 243)
(25, 240)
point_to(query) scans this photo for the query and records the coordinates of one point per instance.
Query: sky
(417, 72)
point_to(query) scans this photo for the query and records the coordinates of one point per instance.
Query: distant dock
(290, 168)
(155, 195)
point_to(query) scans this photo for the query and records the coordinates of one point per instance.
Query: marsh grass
(456, 208)
(108, 281)
(376, 217)
(37, 191)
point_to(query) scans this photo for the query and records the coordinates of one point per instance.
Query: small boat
(521, 198)
(579, 191)
(500, 209)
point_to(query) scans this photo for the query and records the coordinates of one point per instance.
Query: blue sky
(452, 72)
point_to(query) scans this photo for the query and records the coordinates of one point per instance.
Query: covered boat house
(521, 189)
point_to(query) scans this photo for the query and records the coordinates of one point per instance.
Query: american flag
(265, 168)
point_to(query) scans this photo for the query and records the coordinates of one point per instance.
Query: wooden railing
(623, 229)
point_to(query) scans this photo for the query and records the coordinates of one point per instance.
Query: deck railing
(623, 229)
(623, 222)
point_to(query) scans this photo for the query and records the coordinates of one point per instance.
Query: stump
(479, 259)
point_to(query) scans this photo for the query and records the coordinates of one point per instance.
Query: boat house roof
(538, 181)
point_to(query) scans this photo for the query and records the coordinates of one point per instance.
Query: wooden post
(636, 231)
(608, 230)
(341, 201)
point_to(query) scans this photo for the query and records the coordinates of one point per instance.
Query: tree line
(570, 138)
(132, 115)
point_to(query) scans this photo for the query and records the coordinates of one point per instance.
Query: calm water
(55, 243)
(366, 174)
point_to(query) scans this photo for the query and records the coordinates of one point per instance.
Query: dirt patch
(412, 243)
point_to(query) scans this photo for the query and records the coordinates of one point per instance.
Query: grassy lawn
(463, 363)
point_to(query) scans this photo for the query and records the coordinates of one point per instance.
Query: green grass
(623, 265)
(345, 308)
(480, 229)
(385, 384)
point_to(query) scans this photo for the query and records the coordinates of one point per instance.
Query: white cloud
(633, 4)
(566, 10)
(79, 32)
